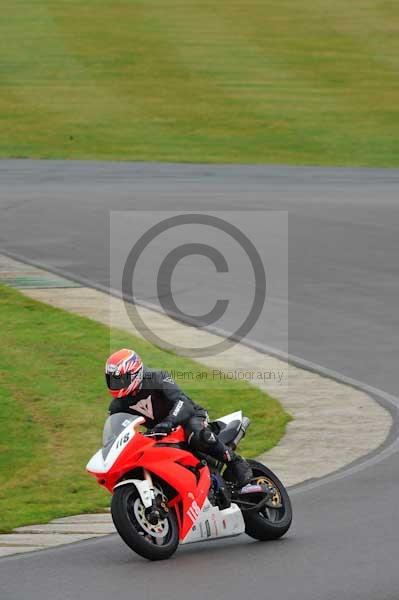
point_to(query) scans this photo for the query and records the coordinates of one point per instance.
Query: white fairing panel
(97, 464)
(214, 523)
(235, 416)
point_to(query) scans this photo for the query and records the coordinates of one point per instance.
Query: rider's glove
(163, 427)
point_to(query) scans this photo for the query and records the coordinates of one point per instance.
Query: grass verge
(54, 401)
(231, 81)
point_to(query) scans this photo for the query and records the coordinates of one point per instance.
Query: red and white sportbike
(164, 495)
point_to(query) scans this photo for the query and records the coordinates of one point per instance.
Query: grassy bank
(233, 81)
(54, 401)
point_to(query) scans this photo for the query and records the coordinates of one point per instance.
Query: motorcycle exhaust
(241, 433)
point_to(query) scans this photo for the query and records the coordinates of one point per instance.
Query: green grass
(54, 401)
(254, 81)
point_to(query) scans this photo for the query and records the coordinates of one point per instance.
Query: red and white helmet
(124, 373)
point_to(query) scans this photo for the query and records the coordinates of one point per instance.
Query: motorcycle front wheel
(273, 520)
(154, 542)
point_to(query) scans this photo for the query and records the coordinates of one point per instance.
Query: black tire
(263, 526)
(128, 526)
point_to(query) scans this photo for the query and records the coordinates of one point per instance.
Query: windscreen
(113, 427)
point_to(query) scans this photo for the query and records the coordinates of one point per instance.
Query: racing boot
(241, 471)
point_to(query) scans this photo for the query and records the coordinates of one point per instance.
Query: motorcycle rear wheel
(273, 521)
(128, 515)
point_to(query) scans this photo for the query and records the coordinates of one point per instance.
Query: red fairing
(168, 462)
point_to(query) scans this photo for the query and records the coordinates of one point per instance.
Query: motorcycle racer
(153, 394)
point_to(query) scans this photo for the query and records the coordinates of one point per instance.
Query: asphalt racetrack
(342, 313)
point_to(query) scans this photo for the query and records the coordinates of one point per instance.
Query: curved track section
(344, 285)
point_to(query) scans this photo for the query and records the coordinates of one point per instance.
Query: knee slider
(202, 440)
(208, 438)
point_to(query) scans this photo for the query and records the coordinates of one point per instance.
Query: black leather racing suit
(161, 400)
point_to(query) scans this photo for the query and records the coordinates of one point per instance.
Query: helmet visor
(118, 382)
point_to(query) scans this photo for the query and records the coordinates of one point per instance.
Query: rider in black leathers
(156, 396)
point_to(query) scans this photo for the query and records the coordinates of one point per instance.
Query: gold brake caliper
(276, 498)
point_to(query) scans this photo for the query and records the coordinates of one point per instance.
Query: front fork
(148, 479)
(158, 509)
